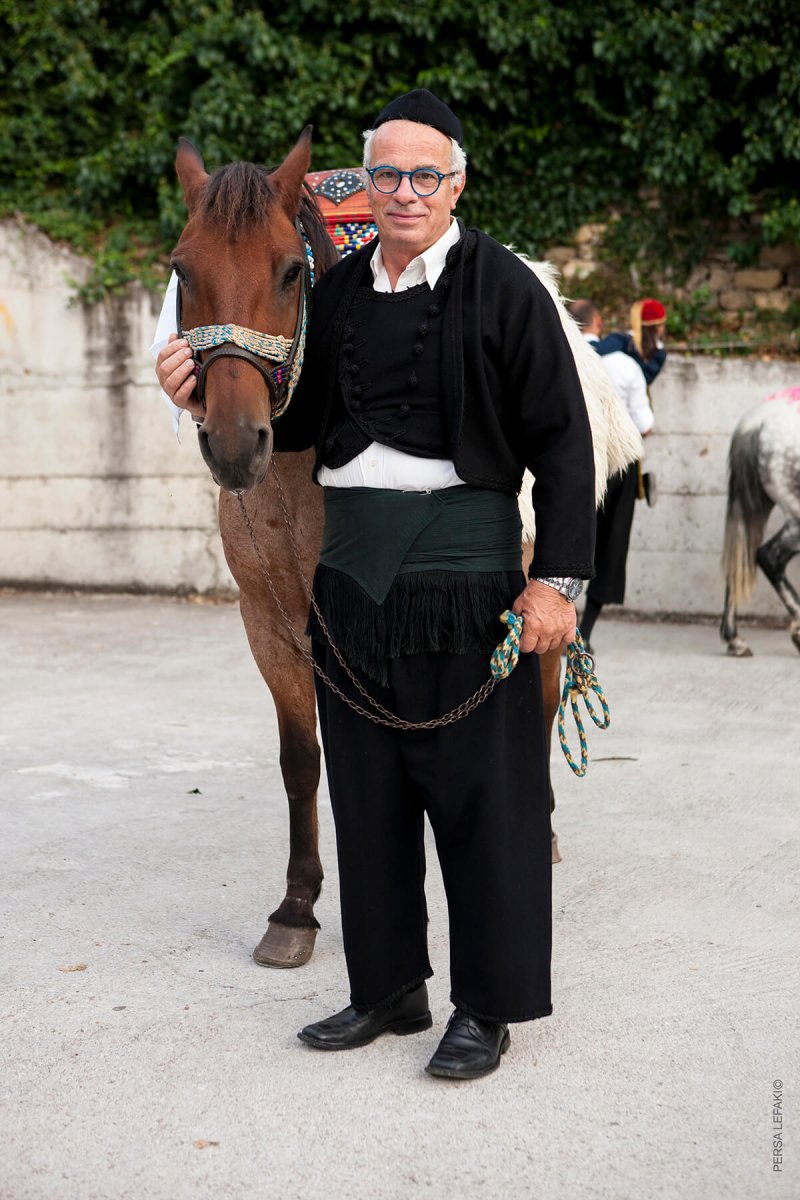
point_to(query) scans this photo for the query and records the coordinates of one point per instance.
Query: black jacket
(510, 389)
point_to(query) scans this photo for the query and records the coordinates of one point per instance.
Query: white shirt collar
(425, 268)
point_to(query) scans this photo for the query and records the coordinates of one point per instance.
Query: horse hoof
(556, 857)
(285, 946)
(739, 649)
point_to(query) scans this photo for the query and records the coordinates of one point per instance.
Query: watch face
(574, 589)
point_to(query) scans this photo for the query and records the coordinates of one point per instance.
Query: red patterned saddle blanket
(342, 199)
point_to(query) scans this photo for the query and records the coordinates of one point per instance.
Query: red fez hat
(653, 312)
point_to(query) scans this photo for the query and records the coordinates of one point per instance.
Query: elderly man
(436, 370)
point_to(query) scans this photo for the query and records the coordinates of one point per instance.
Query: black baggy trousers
(614, 521)
(483, 782)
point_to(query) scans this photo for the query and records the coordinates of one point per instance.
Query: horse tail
(749, 507)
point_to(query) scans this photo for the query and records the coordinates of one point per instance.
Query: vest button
(418, 348)
(433, 310)
(412, 380)
(347, 348)
(354, 369)
(357, 390)
(405, 409)
(349, 331)
(355, 405)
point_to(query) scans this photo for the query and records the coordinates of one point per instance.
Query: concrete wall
(96, 492)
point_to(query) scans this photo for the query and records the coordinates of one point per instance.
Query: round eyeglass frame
(440, 175)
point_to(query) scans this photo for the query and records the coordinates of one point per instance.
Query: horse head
(240, 261)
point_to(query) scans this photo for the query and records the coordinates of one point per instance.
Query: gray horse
(763, 472)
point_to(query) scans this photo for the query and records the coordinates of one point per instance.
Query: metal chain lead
(381, 715)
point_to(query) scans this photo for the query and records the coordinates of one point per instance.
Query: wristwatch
(571, 588)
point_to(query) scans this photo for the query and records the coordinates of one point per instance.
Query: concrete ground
(144, 842)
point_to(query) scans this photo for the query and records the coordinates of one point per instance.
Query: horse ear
(191, 171)
(287, 179)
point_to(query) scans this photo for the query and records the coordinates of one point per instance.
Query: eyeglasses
(424, 180)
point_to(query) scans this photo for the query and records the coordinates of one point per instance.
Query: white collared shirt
(425, 268)
(630, 384)
(382, 466)
(167, 324)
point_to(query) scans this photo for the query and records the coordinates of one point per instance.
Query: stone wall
(771, 285)
(95, 491)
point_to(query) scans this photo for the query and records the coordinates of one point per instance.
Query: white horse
(616, 440)
(763, 472)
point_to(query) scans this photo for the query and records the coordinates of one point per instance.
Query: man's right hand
(175, 371)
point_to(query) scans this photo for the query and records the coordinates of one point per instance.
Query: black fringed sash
(408, 573)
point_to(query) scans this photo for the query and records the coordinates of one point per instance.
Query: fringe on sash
(453, 612)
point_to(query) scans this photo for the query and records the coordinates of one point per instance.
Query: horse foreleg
(292, 929)
(773, 558)
(737, 646)
(550, 669)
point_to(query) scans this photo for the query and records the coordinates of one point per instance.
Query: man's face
(406, 222)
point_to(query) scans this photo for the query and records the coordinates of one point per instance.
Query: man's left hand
(549, 618)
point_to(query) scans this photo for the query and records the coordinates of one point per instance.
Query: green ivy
(686, 315)
(782, 222)
(569, 109)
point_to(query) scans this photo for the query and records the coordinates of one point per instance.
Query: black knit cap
(424, 108)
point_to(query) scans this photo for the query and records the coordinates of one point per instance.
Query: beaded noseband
(235, 341)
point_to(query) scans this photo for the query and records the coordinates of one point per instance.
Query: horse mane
(240, 196)
(325, 253)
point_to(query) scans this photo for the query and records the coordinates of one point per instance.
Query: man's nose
(405, 192)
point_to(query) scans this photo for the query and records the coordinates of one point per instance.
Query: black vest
(389, 375)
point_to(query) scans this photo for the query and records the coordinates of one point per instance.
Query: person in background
(644, 341)
(615, 518)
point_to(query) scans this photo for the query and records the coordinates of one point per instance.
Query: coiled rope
(580, 680)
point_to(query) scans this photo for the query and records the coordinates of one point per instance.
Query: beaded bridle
(235, 341)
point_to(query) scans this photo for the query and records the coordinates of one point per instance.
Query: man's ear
(191, 171)
(459, 183)
(287, 179)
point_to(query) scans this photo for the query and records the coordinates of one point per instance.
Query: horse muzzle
(238, 459)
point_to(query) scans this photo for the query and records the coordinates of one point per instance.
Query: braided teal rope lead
(506, 656)
(579, 680)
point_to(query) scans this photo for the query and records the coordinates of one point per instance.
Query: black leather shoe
(470, 1048)
(351, 1028)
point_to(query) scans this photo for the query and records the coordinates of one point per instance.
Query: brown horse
(240, 260)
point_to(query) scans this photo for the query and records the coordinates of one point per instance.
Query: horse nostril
(264, 442)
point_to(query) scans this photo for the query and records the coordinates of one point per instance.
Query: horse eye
(292, 274)
(178, 269)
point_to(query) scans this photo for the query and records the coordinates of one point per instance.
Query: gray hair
(458, 159)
